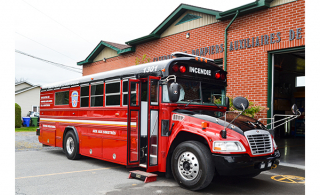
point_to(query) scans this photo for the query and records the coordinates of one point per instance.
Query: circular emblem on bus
(74, 98)
(114, 156)
(258, 131)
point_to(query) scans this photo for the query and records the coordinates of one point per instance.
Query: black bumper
(243, 164)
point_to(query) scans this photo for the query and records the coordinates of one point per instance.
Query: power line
(58, 22)
(53, 63)
(46, 46)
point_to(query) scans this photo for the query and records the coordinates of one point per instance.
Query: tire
(192, 165)
(71, 146)
(250, 175)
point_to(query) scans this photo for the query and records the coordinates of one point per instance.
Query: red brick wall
(247, 68)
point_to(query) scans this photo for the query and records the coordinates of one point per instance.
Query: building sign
(245, 43)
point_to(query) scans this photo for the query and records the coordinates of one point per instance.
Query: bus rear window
(61, 98)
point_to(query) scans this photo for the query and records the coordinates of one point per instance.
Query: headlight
(228, 146)
(274, 144)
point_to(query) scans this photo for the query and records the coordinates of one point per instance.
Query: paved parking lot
(48, 171)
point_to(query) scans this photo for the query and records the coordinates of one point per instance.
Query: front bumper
(243, 164)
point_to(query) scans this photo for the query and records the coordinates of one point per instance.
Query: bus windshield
(195, 91)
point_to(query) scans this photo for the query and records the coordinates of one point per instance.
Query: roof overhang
(245, 9)
(99, 48)
(156, 33)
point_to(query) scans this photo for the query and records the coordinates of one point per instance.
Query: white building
(27, 96)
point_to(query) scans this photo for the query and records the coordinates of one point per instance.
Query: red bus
(166, 116)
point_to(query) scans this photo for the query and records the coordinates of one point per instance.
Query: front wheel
(192, 165)
(71, 146)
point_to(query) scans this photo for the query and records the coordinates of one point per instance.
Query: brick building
(263, 50)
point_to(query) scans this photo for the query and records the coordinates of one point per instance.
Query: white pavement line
(67, 172)
(292, 165)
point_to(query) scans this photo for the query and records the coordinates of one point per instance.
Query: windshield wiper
(191, 101)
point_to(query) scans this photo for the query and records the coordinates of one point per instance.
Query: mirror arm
(223, 132)
(170, 77)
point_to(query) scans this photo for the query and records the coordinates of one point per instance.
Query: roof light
(196, 58)
(201, 59)
(182, 69)
(217, 75)
(206, 60)
(163, 70)
(175, 68)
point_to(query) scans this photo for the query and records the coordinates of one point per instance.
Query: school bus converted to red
(167, 116)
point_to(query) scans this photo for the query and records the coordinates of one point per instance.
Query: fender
(72, 128)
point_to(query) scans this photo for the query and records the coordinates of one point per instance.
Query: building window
(61, 98)
(35, 108)
(113, 93)
(84, 96)
(96, 95)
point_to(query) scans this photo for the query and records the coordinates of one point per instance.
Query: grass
(26, 129)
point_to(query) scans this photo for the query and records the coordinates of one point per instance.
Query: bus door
(153, 123)
(133, 122)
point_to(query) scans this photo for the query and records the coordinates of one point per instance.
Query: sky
(66, 32)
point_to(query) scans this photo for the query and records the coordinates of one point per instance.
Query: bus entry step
(144, 176)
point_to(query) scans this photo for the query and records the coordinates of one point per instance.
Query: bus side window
(124, 93)
(61, 98)
(113, 93)
(96, 95)
(84, 96)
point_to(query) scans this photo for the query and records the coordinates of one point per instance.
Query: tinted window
(113, 87)
(97, 89)
(62, 98)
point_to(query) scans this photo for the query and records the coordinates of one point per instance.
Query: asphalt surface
(47, 171)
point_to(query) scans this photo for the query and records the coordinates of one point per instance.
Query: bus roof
(152, 68)
(142, 70)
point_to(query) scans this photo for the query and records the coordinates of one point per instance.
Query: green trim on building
(155, 34)
(99, 48)
(245, 9)
(293, 49)
(188, 18)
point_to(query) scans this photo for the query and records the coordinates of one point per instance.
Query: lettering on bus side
(199, 71)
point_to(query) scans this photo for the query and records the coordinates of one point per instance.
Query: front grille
(260, 143)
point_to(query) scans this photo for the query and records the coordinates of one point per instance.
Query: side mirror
(227, 103)
(174, 92)
(294, 109)
(240, 103)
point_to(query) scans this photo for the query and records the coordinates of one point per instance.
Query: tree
(142, 60)
(17, 116)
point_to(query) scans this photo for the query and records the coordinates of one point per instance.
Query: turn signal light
(204, 125)
(218, 75)
(182, 69)
(175, 68)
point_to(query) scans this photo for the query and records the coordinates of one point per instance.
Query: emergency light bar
(198, 58)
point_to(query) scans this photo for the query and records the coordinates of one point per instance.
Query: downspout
(226, 41)
(224, 132)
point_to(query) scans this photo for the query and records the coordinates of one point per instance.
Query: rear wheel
(192, 165)
(71, 146)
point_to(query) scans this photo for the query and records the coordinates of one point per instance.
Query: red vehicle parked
(167, 116)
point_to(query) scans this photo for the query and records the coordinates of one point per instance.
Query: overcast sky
(66, 32)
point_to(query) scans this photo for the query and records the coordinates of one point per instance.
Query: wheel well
(66, 130)
(182, 137)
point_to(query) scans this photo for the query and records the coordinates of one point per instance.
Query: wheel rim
(188, 165)
(70, 145)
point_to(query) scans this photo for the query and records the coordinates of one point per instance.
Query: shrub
(251, 111)
(18, 121)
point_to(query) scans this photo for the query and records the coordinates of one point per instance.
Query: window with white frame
(113, 93)
(96, 94)
(35, 108)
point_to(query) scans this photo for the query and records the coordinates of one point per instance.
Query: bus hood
(240, 125)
